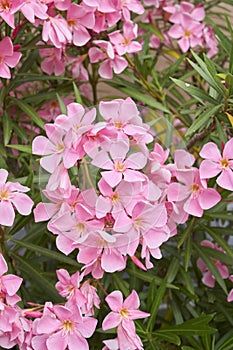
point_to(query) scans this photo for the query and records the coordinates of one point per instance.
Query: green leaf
(211, 266)
(26, 108)
(46, 252)
(21, 148)
(151, 28)
(36, 275)
(227, 343)
(193, 91)
(170, 338)
(61, 104)
(196, 326)
(187, 253)
(155, 306)
(222, 216)
(77, 95)
(121, 284)
(147, 277)
(221, 241)
(203, 70)
(7, 127)
(201, 120)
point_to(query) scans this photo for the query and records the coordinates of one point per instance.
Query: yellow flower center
(187, 33)
(195, 188)
(119, 166)
(5, 5)
(124, 313)
(4, 195)
(224, 163)
(118, 125)
(115, 197)
(68, 326)
(60, 148)
(80, 227)
(71, 22)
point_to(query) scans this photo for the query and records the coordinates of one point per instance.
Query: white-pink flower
(119, 165)
(122, 316)
(194, 193)
(215, 163)
(12, 196)
(8, 57)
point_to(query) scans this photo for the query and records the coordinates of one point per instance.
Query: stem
(84, 162)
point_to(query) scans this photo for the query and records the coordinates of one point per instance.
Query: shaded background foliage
(186, 103)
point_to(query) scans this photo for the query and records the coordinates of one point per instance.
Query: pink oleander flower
(79, 18)
(63, 328)
(124, 43)
(9, 285)
(57, 31)
(110, 61)
(119, 165)
(208, 279)
(215, 163)
(7, 10)
(53, 62)
(69, 287)
(34, 8)
(101, 251)
(184, 11)
(189, 32)
(211, 43)
(123, 118)
(194, 193)
(56, 148)
(128, 6)
(106, 13)
(122, 316)
(8, 57)
(11, 197)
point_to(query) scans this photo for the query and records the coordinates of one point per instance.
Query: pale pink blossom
(122, 316)
(53, 62)
(215, 163)
(189, 32)
(57, 31)
(34, 8)
(124, 43)
(55, 148)
(63, 328)
(69, 287)
(208, 279)
(101, 252)
(9, 285)
(79, 18)
(211, 43)
(128, 6)
(106, 13)
(194, 193)
(123, 118)
(110, 61)
(8, 57)
(12, 196)
(7, 10)
(120, 166)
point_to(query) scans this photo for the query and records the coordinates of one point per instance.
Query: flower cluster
(189, 28)
(94, 26)
(68, 325)
(140, 197)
